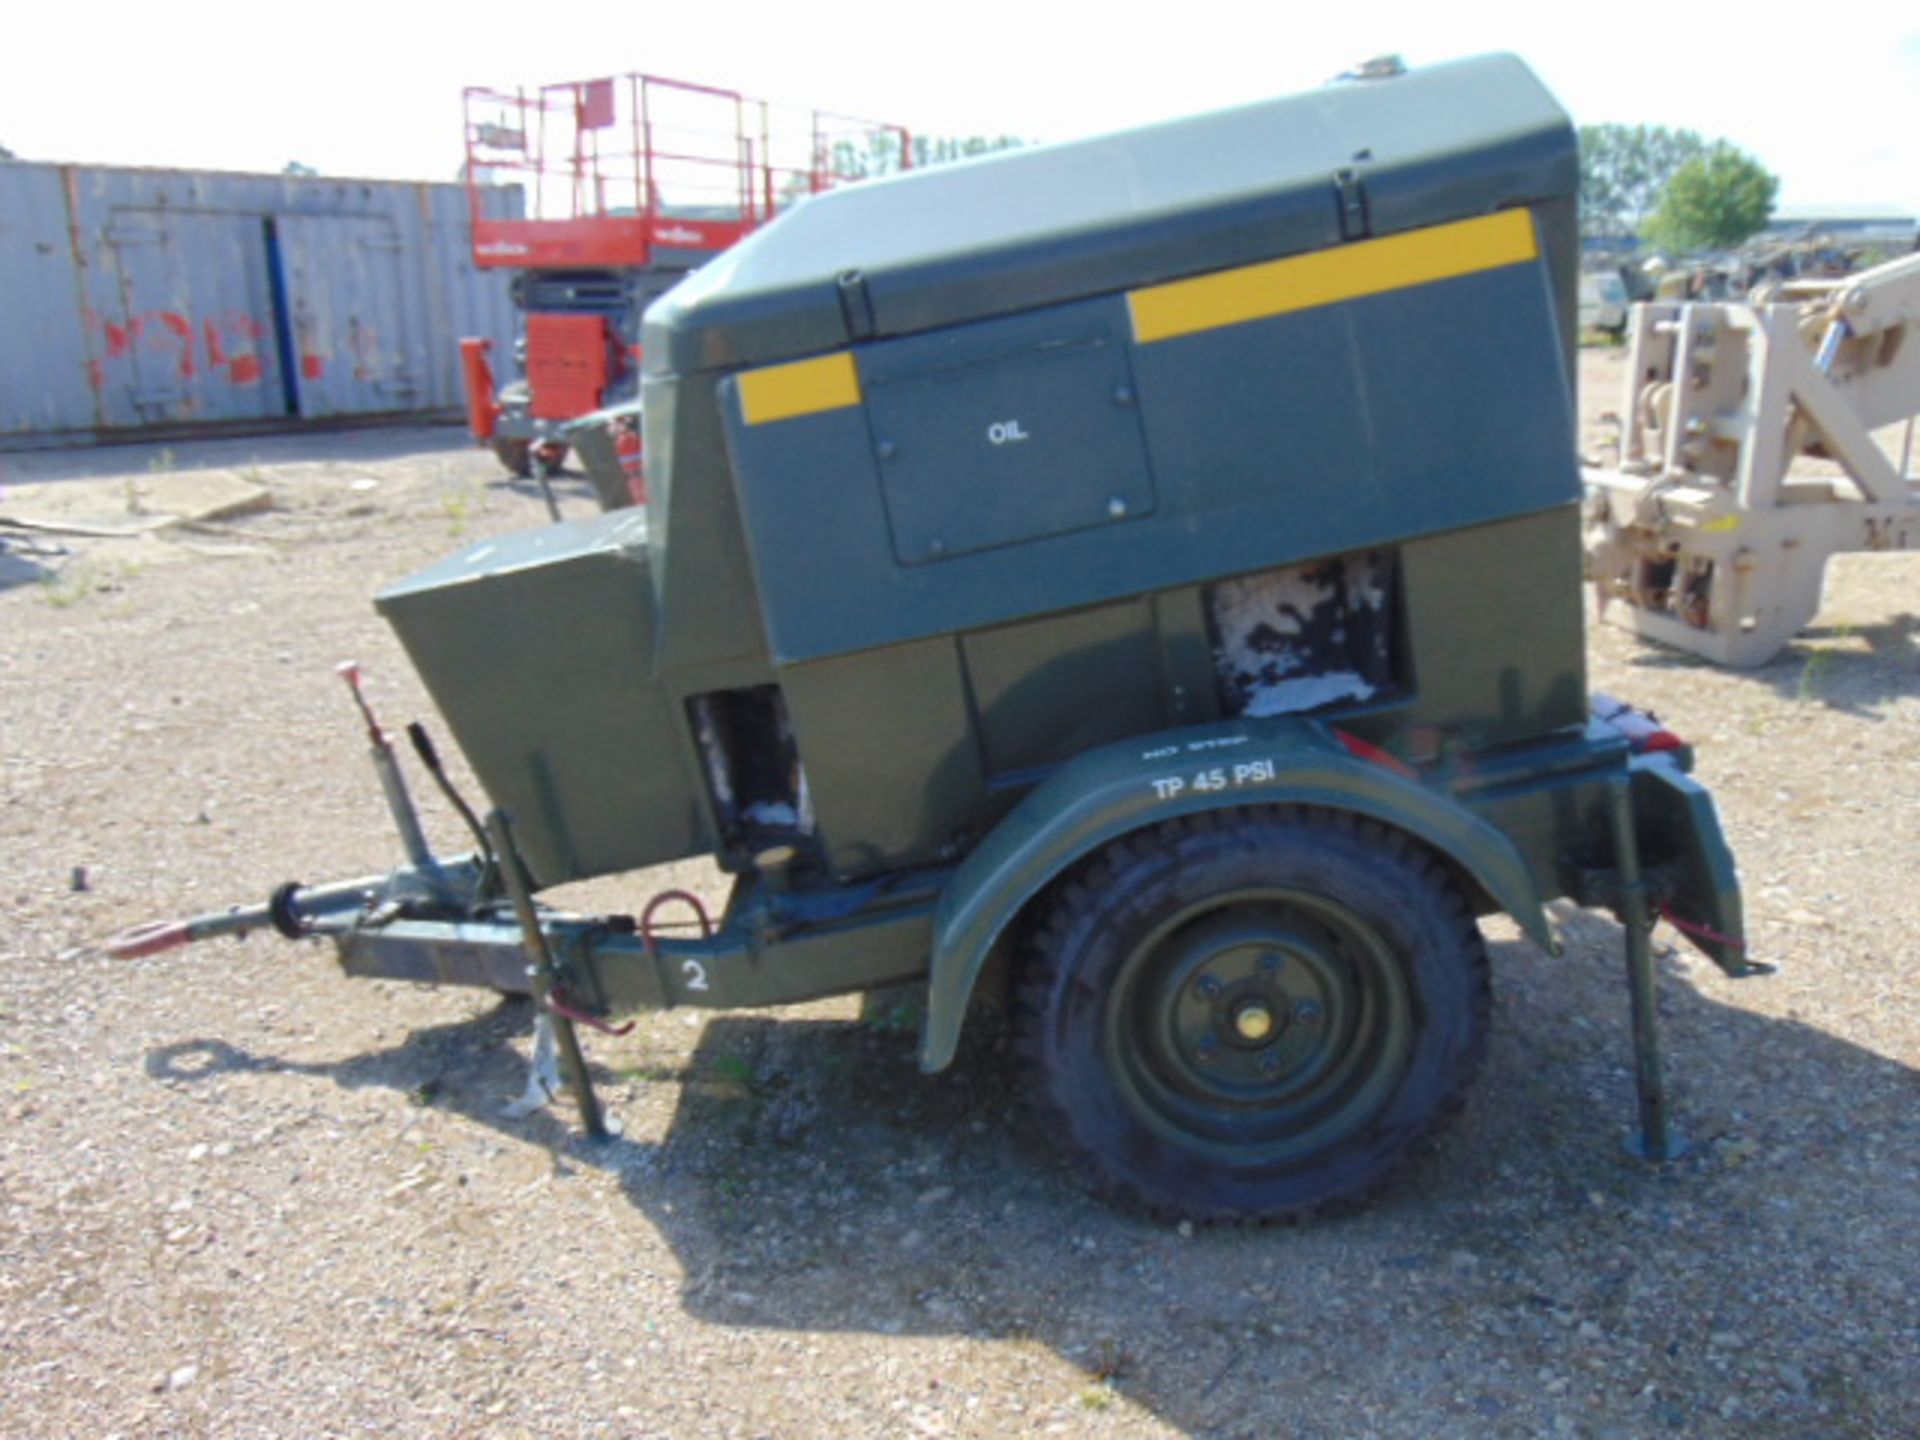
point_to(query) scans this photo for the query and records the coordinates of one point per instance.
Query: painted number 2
(696, 974)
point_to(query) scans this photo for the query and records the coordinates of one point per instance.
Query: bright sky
(1828, 99)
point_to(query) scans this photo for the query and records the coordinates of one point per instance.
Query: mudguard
(1103, 794)
(1678, 829)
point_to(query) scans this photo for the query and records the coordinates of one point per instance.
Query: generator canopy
(1028, 228)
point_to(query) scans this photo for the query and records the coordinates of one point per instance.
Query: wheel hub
(1261, 1019)
(1253, 1021)
(1250, 1002)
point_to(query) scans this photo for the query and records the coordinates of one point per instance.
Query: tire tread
(1079, 894)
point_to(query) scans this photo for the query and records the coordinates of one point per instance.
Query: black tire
(1251, 1015)
(516, 455)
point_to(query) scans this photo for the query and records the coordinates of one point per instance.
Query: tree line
(881, 152)
(1673, 188)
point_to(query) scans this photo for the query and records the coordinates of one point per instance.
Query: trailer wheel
(516, 455)
(1251, 1015)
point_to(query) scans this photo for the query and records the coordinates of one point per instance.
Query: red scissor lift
(600, 195)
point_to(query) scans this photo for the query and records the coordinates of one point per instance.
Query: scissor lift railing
(617, 170)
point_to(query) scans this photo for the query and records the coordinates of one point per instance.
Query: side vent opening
(753, 767)
(1308, 639)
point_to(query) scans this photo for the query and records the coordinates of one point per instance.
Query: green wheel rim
(1259, 1026)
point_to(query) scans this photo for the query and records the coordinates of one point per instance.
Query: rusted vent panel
(1310, 637)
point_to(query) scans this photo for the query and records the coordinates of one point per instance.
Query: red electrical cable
(1694, 928)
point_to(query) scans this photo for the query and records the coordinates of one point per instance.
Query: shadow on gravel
(1525, 1278)
(1855, 669)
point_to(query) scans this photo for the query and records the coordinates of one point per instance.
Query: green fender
(1105, 793)
(1674, 818)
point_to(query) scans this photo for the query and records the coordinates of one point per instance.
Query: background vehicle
(1603, 302)
(629, 182)
(1711, 535)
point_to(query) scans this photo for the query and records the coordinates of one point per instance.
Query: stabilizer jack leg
(543, 1072)
(1656, 1139)
(540, 962)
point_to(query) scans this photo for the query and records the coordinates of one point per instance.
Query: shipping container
(143, 302)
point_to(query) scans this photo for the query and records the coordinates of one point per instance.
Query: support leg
(1655, 1139)
(546, 489)
(543, 1072)
(540, 960)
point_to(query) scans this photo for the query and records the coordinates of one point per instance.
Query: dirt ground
(241, 1195)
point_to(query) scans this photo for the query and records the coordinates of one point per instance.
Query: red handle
(580, 1017)
(148, 939)
(663, 898)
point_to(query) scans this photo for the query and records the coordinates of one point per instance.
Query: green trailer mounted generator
(1135, 579)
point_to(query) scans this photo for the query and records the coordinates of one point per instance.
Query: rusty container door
(193, 338)
(345, 304)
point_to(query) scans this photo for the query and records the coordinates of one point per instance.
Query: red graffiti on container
(180, 329)
(231, 340)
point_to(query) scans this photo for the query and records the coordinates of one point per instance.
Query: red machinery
(601, 194)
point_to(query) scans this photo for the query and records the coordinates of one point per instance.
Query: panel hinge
(856, 306)
(1355, 223)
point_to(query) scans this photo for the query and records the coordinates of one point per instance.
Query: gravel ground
(241, 1195)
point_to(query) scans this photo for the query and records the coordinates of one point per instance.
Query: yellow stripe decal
(806, 387)
(1326, 277)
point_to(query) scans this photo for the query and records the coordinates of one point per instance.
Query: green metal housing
(982, 496)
